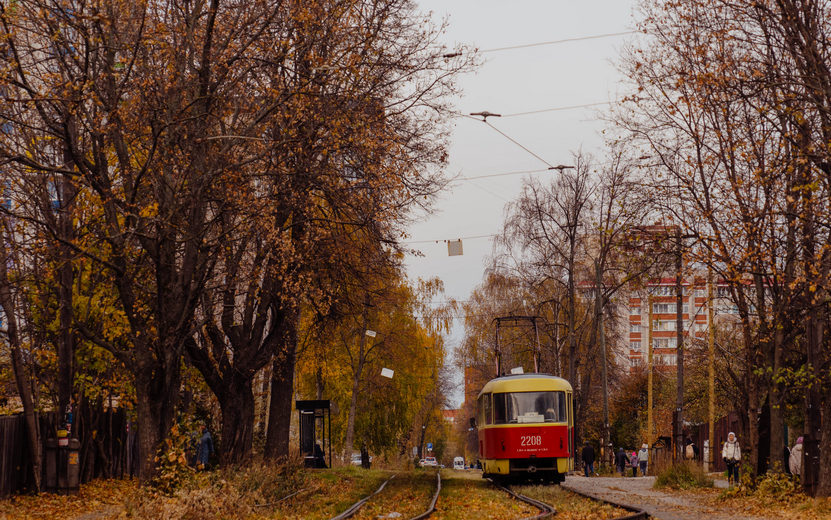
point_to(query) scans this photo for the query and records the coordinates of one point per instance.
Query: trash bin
(63, 468)
(51, 483)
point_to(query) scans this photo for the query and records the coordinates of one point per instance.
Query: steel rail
(547, 510)
(432, 507)
(636, 514)
(354, 508)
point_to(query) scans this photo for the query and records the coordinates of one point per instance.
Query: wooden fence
(108, 447)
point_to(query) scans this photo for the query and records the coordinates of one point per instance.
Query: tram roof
(526, 383)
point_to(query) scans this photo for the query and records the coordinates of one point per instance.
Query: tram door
(570, 431)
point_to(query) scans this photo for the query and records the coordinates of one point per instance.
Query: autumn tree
(730, 110)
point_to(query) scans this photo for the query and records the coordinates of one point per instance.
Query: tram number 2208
(530, 440)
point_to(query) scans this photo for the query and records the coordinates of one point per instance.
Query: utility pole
(601, 336)
(711, 344)
(650, 426)
(679, 360)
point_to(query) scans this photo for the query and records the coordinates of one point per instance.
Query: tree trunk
(157, 398)
(237, 404)
(356, 381)
(350, 421)
(777, 422)
(823, 488)
(24, 388)
(282, 392)
(147, 432)
(66, 279)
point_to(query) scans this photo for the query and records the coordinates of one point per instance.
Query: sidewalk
(664, 505)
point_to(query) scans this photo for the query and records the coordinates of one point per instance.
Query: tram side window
(488, 416)
(499, 409)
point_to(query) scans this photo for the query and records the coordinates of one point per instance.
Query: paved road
(663, 505)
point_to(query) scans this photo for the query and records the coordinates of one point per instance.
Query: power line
(506, 136)
(447, 240)
(555, 42)
(556, 109)
(515, 172)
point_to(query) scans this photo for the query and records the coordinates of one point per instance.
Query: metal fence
(108, 447)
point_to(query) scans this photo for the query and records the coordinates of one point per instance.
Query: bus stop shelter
(315, 432)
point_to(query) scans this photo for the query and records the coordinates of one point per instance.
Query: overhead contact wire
(555, 42)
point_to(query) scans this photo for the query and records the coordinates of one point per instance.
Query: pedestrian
(205, 449)
(732, 455)
(588, 459)
(620, 461)
(633, 461)
(795, 462)
(643, 458)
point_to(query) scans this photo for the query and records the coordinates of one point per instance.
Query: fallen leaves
(99, 499)
(571, 506)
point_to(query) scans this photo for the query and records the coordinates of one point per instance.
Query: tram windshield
(529, 407)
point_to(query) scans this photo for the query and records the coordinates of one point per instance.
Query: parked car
(428, 461)
(459, 463)
(356, 459)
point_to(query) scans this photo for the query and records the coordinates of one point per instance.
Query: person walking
(795, 462)
(643, 458)
(588, 458)
(731, 453)
(620, 461)
(633, 461)
(205, 449)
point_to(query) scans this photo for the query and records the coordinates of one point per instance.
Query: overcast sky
(510, 82)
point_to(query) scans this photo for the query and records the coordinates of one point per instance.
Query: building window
(663, 325)
(634, 327)
(635, 345)
(699, 293)
(635, 311)
(669, 308)
(665, 342)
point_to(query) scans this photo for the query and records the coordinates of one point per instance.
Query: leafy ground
(99, 499)
(775, 496)
(408, 494)
(466, 495)
(571, 506)
(327, 493)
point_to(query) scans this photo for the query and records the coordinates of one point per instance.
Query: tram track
(354, 508)
(546, 510)
(634, 512)
(433, 501)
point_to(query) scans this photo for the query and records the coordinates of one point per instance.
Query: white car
(428, 461)
(356, 459)
(458, 463)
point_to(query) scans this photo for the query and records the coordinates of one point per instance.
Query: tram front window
(529, 407)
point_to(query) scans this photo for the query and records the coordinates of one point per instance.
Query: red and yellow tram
(526, 428)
